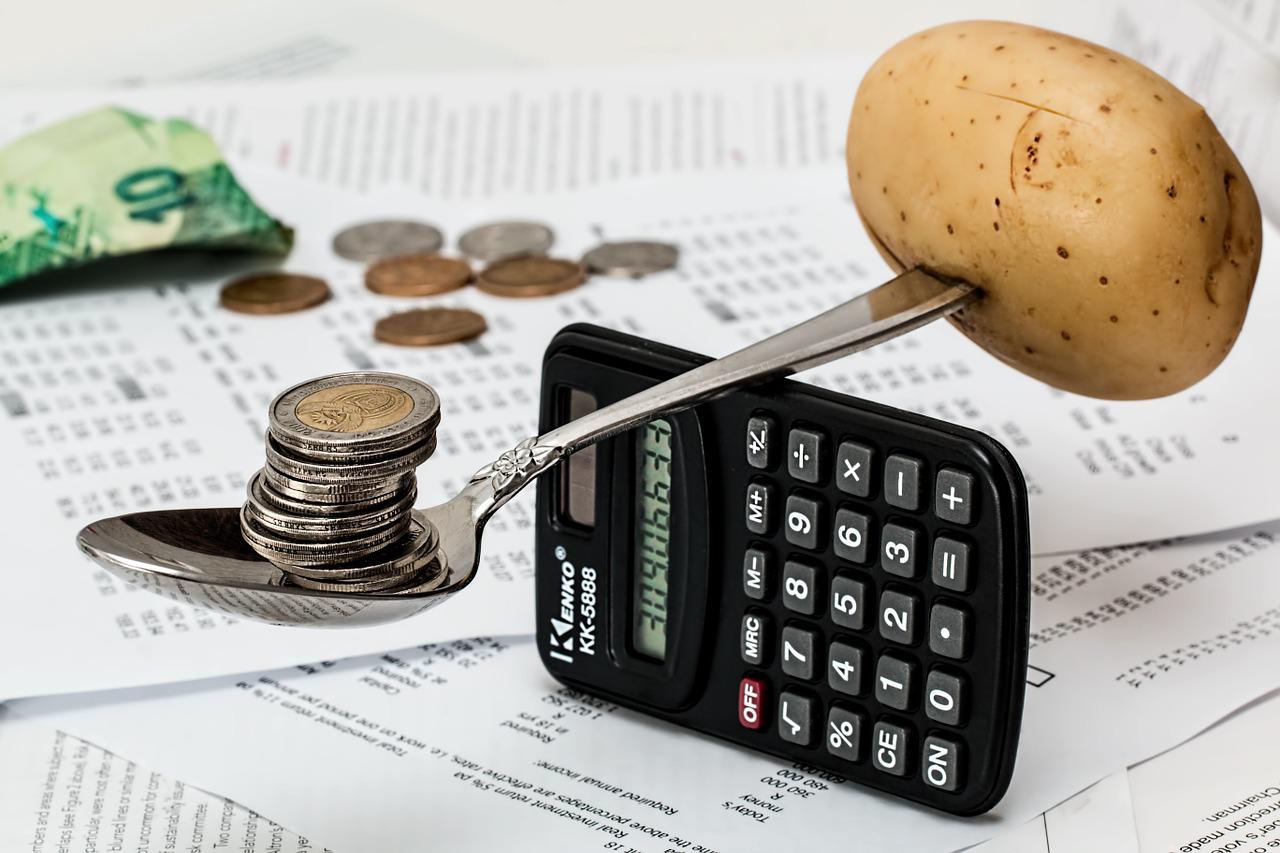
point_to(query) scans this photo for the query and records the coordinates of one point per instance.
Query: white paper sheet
(478, 135)
(1133, 651)
(124, 398)
(1098, 818)
(59, 793)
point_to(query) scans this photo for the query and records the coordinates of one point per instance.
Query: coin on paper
(273, 293)
(499, 240)
(383, 238)
(530, 276)
(426, 327)
(416, 275)
(632, 258)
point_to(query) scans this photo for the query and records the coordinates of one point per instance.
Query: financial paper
(127, 397)
(471, 742)
(58, 792)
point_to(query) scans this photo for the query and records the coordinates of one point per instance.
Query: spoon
(198, 556)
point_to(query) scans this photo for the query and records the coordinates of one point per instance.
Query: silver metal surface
(631, 258)
(199, 556)
(500, 240)
(373, 241)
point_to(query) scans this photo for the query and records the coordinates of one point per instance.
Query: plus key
(953, 496)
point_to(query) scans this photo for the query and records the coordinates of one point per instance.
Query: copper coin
(416, 275)
(428, 327)
(273, 293)
(531, 276)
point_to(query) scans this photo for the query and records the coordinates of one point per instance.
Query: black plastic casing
(585, 573)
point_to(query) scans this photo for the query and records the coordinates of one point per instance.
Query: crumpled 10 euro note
(112, 182)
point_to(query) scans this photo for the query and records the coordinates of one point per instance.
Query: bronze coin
(428, 327)
(273, 293)
(416, 275)
(531, 276)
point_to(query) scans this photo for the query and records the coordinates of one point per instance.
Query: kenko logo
(574, 628)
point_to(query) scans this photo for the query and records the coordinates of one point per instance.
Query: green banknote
(112, 182)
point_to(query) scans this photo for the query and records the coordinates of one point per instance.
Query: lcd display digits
(651, 560)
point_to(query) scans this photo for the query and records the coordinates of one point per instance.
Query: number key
(895, 682)
(846, 671)
(799, 651)
(803, 522)
(848, 603)
(799, 587)
(898, 551)
(851, 535)
(898, 614)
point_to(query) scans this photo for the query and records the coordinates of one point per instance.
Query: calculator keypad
(877, 560)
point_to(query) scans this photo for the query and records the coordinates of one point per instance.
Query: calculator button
(948, 631)
(848, 603)
(806, 455)
(895, 682)
(799, 652)
(853, 469)
(757, 573)
(944, 697)
(902, 481)
(844, 733)
(890, 745)
(898, 614)
(751, 703)
(941, 760)
(951, 564)
(795, 718)
(847, 669)
(851, 535)
(953, 496)
(800, 587)
(755, 638)
(760, 432)
(899, 552)
(803, 522)
(759, 508)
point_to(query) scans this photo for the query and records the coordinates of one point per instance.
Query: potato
(1112, 230)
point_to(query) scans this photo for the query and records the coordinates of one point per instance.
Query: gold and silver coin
(346, 414)
(333, 506)
(372, 241)
(497, 241)
(631, 258)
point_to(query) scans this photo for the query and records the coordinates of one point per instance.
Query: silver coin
(264, 491)
(372, 241)
(499, 240)
(631, 258)
(404, 557)
(345, 414)
(375, 468)
(379, 583)
(430, 578)
(329, 493)
(286, 553)
(307, 526)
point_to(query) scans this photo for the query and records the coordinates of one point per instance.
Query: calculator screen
(651, 559)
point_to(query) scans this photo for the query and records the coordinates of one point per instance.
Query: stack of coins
(333, 507)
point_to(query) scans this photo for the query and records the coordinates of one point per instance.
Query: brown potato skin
(1113, 231)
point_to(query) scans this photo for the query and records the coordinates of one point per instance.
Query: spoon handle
(895, 307)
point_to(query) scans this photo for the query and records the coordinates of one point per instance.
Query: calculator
(797, 571)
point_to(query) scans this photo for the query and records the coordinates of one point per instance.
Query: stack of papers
(445, 731)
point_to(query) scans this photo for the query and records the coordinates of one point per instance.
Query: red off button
(751, 703)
